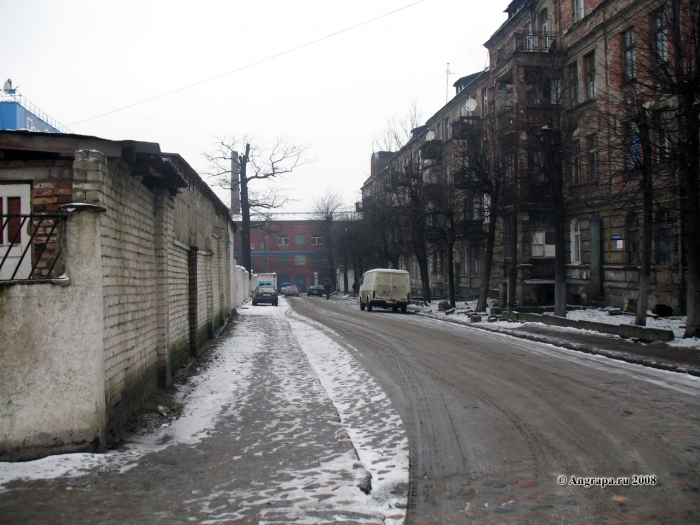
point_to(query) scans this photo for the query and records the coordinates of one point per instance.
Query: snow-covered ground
(305, 364)
(601, 315)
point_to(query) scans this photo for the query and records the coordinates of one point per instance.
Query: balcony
(506, 120)
(524, 49)
(462, 128)
(534, 42)
(431, 150)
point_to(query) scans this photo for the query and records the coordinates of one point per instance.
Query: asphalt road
(498, 426)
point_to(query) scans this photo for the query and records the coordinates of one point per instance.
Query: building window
(537, 166)
(477, 207)
(575, 241)
(541, 226)
(589, 74)
(484, 102)
(554, 88)
(508, 236)
(300, 240)
(660, 37)
(316, 240)
(300, 260)
(529, 36)
(629, 55)
(575, 163)
(662, 122)
(282, 260)
(475, 252)
(252, 245)
(509, 168)
(633, 147)
(544, 28)
(592, 158)
(633, 237)
(317, 260)
(578, 8)
(572, 83)
(447, 128)
(664, 255)
(283, 240)
(542, 243)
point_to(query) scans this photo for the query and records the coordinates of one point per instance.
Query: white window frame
(578, 9)
(13, 252)
(540, 248)
(575, 241)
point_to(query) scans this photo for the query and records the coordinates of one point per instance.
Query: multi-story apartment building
(556, 118)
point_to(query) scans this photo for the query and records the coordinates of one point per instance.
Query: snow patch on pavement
(224, 383)
(303, 368)
(372, 423)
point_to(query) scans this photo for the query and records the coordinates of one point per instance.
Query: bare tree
(655, 120)
(400, 212)
(675, 73)
(397, 132)
(257, 164)
(410, 205)
(326, 210)
(549, 131)
(480, 179)
(446, 220)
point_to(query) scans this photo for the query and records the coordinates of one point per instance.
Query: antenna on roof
(447, 82)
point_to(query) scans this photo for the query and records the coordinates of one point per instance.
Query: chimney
(235, 184)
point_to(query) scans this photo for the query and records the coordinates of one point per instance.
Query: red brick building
(294, 249)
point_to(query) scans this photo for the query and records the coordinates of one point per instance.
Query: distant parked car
(265, 294)
(283, 287)
(316, 289)
(291, 290)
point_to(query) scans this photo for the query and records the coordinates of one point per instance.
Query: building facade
(294, 248)
(549, 142)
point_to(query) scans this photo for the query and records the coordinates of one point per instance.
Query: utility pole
(245, 211)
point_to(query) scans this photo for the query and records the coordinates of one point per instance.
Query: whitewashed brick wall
(178, 303)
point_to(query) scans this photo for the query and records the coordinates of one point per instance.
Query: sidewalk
(279, 424)
(682, 356)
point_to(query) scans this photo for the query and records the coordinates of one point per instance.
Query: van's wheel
(369, 307)
(404, 308)
(362, 305)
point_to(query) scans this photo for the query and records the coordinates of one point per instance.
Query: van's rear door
(399, 286)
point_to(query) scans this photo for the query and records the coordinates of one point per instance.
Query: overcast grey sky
(80, 59)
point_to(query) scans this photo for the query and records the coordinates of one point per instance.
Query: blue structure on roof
(16, 112)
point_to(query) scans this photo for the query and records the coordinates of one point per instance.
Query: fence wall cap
(82, 206)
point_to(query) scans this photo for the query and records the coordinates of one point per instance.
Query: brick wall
(158, 304)
(178, 301)
(128, 279)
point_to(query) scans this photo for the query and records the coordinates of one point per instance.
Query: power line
(288, 51)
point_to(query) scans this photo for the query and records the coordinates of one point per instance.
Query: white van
(386, 289)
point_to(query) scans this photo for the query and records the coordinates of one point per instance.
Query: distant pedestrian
(354, 289)
(327, 287)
